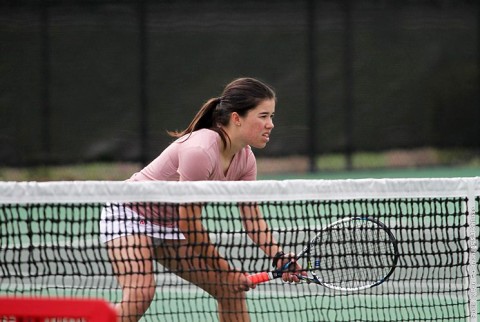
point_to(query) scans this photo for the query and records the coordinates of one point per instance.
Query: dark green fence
(101, 80)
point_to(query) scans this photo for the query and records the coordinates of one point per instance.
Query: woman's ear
(235, 119)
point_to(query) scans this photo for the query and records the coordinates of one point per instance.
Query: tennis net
(50, 244)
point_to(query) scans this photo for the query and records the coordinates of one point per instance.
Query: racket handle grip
(260, 277)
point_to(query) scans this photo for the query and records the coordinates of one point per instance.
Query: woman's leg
(131, 258)
(180, 259)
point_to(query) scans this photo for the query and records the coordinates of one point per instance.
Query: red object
(38, 309)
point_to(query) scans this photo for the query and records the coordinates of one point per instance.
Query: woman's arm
(191, 226)
(259, 233)
(257, 229)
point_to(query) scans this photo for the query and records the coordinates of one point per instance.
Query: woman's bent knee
(228, 295)
(139, 294)
(135, 302)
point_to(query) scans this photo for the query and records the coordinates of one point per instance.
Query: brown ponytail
(202, 120)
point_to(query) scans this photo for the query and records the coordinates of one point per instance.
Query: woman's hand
(293, 270)
(240, 282)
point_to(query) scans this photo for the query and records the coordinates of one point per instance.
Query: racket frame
(266, 276)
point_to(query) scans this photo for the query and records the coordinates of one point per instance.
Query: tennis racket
(351, 254)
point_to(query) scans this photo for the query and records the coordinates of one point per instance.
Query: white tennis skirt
(119, 221)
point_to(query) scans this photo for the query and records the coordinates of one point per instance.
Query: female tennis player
(215, 146)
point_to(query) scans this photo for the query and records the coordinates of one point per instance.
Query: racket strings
(353, 253)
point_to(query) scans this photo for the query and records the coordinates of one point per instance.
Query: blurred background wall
(101, 81)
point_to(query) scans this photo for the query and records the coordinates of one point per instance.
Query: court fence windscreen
(53, 244)
(352, 76)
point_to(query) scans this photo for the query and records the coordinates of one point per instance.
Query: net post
(473, 248)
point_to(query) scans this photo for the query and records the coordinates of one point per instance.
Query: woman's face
(257, 125)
